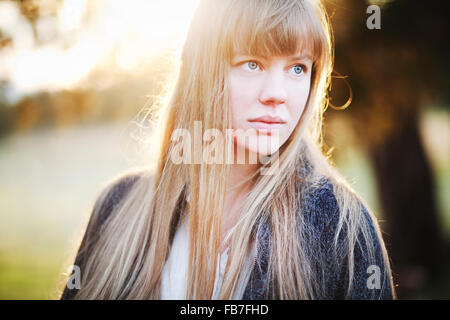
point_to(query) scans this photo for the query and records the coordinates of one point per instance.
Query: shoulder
(344, 241)
(317, 201)
(322, 202)
(372, 275)
(112, 192)
(110, 195)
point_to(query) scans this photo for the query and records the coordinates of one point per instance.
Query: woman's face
(267, 98)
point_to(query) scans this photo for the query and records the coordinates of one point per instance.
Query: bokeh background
(76, 76)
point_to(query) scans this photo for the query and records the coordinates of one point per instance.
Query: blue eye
(251, 65)
(297, 69)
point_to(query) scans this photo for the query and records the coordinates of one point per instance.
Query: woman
(286, 226)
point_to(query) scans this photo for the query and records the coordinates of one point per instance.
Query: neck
(240, 181)
(240, 178)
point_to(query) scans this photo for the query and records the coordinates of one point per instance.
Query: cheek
(298, 103)
(240, 101)
(236, 110)
(298, 97)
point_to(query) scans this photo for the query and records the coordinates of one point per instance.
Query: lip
(268, 119)
(266, 124)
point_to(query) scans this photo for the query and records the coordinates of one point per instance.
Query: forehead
(264, 34)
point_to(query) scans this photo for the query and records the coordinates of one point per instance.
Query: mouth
(266, 124)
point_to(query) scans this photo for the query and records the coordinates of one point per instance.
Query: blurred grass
(49, 180)
(28, 275)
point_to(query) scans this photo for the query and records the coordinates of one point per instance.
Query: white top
(174, 274)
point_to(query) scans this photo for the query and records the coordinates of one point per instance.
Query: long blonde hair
(127, 259)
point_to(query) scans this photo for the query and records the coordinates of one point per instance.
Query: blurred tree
(394, 72)
(5, 113)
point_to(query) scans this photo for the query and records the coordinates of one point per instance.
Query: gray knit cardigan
(320, 214)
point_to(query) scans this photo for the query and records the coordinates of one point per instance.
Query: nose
(273, 92)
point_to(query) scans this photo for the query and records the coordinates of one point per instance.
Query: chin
(261, 146)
